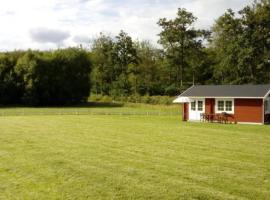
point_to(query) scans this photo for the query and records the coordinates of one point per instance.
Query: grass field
(95, 109)
(131, 157)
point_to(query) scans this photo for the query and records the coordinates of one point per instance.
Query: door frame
(195, 115)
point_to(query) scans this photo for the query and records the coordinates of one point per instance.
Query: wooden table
(220, 118)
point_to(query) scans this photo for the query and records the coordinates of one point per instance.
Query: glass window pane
(200, 105)
(220, 105)
(228, 105)
(193, 105)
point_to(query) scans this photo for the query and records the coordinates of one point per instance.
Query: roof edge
(223, 97)
(261, 96)
(267, 94)
(186, 91)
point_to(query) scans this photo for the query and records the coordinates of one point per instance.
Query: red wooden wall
(248, 110)
(185, 111)
(209, 106)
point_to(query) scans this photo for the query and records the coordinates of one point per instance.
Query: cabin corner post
(183, 112)
(263, 111)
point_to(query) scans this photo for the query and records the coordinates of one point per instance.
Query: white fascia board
(267, 94)
(250, 123)
(181, 100)
(227, 97)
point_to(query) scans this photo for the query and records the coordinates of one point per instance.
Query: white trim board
(205, 97)
(250, 123)
(193, 120)
(263, 112)
(267, 94)
(239, 123)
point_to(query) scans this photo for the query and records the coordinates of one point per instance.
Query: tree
(226, 38)
(125, 61)
(101, 55)
(73, 82)
(242, 45)
(25, 70)
(10, 90)
(255, 41)
(149, 69)
(54, 78)
(180, 40)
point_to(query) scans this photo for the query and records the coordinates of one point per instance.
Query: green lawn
(95, 109)
(131, 157)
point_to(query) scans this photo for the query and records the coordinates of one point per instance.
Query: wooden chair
(202, 117)
(224, 117)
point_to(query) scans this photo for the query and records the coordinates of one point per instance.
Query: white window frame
(196, 105)
(224, 100)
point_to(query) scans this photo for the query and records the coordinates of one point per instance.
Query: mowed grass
(131, 157)
(94, 108)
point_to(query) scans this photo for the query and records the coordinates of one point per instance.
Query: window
(193, 105)
(200, 106)
(228, 106)
(224, 105)
(220, 105)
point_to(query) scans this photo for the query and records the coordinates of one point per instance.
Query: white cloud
(83, 19)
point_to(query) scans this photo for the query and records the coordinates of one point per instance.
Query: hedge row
(155, 100)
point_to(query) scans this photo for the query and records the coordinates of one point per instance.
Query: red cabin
(229, 103)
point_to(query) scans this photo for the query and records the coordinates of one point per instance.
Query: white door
(196, 108)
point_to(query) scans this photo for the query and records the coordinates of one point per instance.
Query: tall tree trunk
(193, 77)
(182, 61)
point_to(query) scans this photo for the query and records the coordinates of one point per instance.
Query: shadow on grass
(81, 105)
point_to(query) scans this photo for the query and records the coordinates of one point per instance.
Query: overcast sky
(48, 24)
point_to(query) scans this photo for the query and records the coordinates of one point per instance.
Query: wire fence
(33, 112)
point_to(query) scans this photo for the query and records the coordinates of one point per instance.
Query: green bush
(106, 99)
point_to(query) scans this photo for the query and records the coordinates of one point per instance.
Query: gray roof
(242, 91)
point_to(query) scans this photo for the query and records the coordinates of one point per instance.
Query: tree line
(44, 78)
(236, 50)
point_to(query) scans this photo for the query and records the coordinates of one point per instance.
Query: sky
(51, 24)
